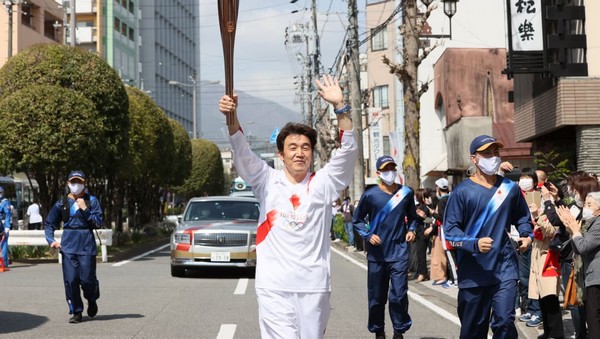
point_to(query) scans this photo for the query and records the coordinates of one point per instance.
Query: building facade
(473, 99)
(148, 43)
(32, 22)
(169, 52)
(467, 94)
(556, 104)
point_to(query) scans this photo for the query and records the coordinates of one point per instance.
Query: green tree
(151, 151)
(182, 157)
(49, 130)
(551, 163)
(87, 74)
(207, 177)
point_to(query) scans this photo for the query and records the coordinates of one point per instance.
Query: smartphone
(534, 198)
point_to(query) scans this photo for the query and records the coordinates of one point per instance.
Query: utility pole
(9, 12)
(353, 66)
(313, 64)
(73, 23)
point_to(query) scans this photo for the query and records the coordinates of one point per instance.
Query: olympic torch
(228, 13)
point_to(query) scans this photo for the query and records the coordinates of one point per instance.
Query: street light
(195, 84)
(450, 10)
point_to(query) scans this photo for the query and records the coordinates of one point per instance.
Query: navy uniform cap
(76, 175)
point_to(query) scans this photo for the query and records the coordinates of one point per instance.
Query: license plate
(220, 256)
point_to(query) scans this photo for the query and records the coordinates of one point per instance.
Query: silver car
(215, 231)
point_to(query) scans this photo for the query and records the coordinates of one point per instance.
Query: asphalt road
(140, 299)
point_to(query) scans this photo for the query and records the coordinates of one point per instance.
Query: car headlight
(253, 239)
(182, 238)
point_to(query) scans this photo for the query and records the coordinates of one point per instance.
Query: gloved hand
(556, 244)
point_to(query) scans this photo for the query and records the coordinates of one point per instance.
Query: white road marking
(121, 263)
(241, 286)
(226, 331)
(443, 313)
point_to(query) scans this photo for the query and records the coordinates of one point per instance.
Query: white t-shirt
(292, 240)
(33, 212)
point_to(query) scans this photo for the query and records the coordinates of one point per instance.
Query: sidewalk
(450, 294)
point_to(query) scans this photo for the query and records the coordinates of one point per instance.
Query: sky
(263, 65)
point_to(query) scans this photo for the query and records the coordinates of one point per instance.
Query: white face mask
(526, 184)
(587, 213)
(75, 188)
(489, 166)
(388, 177)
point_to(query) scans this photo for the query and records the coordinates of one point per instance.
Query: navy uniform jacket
(77, 237)
(392, 230)
(466, 203)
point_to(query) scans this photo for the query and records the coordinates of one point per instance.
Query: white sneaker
(337, 240)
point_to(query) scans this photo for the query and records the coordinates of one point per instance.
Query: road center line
(121, 263)
(226, 331)
(241, 286)
(416, 297)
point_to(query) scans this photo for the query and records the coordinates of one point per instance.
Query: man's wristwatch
(342, 110)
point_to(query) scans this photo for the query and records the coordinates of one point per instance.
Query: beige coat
(539, 286)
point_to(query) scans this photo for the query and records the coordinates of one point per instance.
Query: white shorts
(291, 315)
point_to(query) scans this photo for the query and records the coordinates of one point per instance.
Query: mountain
(258, 116)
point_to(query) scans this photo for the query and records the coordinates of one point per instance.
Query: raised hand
(330, 91)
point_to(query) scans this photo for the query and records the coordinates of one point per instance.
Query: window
(117, 25)
(131, 35)
(124, 29)
(380, 97)
(378, 39)
(131, 7)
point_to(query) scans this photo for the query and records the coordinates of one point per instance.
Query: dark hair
(421, 194)
(528, 172)
(295, 128)
(574, 176)
(586, 184)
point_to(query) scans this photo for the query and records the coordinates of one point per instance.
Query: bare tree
(411, 27)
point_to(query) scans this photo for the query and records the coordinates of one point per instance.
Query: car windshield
(221, 210)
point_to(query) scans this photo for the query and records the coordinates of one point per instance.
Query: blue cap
(76, 175)
(482, 142)
(384, 160)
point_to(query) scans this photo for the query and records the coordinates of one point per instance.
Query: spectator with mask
(586, 241)
(533, 315)
(578, 184)
(438, 271)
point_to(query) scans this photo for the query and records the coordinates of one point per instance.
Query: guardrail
(38, 238)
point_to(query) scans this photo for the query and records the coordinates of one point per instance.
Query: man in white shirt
(35, 218)
(293, 279)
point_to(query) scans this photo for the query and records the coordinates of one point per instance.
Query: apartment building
(149, 43)
(29, 23)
